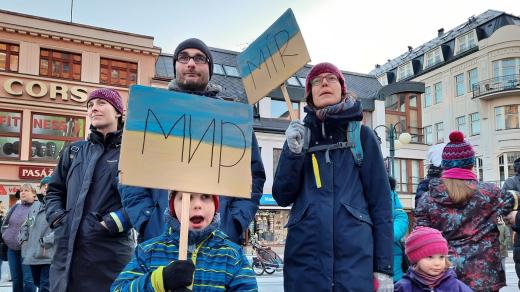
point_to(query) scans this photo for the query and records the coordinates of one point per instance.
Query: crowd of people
(347, 229)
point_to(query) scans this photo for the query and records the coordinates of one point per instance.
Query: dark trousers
(20, 274)
(40, 274)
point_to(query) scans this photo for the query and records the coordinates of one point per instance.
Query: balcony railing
(497, 84)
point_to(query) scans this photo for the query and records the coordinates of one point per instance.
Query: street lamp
(404, 138)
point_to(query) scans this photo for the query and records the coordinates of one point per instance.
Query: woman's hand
(294, 135)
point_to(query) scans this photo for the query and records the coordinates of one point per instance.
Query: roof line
(75, 24)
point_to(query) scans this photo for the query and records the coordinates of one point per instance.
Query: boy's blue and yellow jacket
(220, 264)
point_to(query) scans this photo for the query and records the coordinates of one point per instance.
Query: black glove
(178, 274)
(183, 289)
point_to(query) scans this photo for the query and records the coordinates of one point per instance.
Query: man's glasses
(319, 80)
(198, 59)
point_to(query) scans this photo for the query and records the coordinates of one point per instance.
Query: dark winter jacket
(470, 229)
(145, 206)
(82, 192)
(449, 283)
(422, 188)
(516, 246)
(512, 183)
(37, 237)
(340, 232)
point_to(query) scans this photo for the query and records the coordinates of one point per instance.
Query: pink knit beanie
(319, 69)
(424, 242)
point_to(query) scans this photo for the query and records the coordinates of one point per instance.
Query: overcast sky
(353, 35)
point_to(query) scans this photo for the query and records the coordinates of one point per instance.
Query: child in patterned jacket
(427, 252)
(215, 263)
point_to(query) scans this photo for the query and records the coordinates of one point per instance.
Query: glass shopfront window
(269, 225)
(51, 133)
(10, 133)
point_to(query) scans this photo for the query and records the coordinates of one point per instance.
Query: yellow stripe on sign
(316, 169)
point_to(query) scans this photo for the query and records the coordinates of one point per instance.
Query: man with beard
(192, 69)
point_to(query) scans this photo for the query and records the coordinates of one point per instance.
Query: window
(404, 71)
(302, 81)
(428, 135)
(118, 73)
(472, 79)
(50, 133)
(276, 157)
(9, 57)
(461, 124)
(383, 80)
(60, 64)
(217, 69)
(293, 81)
(433, 57)
(10, 133)
(505, 165)
(403, 109)
(428, 96)
(480, 169)
(475, 124)
(506, 117)
(459, 85)
(279, 109)
(506, 67)
(437, 88)
(231, 71)
(407, 173)
(439, 132)
(465, 42)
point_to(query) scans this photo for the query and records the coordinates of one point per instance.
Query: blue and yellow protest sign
(273, 57)
(187, 143)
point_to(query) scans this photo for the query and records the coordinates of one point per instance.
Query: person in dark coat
(434, 158)
(514, 219)
(83, 206)
(340, 229)
(193, 68)
(427, 251)
(512, 185)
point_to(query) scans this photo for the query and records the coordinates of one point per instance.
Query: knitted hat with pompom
(458, 153)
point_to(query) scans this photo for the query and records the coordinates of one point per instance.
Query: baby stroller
(266, 260)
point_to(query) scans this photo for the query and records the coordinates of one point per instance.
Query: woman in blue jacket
(340, 225)
(400, 230)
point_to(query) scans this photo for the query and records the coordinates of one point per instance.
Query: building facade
(471, 76)
(47, 69)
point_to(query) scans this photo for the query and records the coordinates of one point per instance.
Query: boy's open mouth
(196, 219)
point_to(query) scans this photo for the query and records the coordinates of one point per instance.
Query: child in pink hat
(427, 251)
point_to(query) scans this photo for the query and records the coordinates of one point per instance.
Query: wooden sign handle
(292, 114)
(185, 221)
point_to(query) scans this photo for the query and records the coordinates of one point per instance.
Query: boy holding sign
(214, 263)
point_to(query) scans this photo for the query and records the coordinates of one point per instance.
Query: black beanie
(194, 43)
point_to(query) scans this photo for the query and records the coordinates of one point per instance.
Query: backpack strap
(353, 142)
(354, 137)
